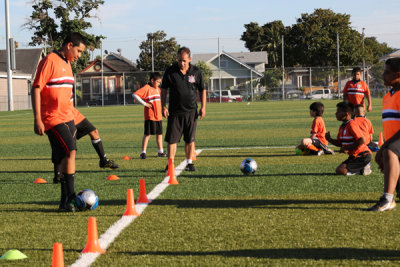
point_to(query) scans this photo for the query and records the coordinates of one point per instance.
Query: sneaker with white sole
(383, 205)
(367, 169)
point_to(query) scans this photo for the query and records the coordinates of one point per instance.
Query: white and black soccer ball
(248, 166)
(87, 200)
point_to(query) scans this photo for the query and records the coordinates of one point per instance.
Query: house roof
(390, 55)
(26, 60)
(119, 63)
(244, 57)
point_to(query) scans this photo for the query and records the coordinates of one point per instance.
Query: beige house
(237, 69)
(27, 61)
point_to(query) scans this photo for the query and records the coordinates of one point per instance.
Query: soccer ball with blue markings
(87, 200)
(248, 166)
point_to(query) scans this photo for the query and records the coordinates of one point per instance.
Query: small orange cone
(58, 255)
(92, 244)
(142, 193)
(40, 181)
(380, 139)
(171, 172)
(127, 158)
(130, 205)
(113, 177)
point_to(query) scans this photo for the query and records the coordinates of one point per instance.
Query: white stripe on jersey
(67, 78)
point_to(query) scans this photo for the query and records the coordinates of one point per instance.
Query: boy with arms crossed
(53, 110)
(351, 140)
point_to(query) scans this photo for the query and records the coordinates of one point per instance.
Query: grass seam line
(114, 230)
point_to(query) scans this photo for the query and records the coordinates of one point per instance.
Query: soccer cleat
(329, 152)
(107, 163)
(367, 169)
(190, 167)
(142, 156)
(69, 204)
(162, 155)
(383, 205)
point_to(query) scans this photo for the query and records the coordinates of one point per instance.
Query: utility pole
(8, 55)
(152, 54)
(283, 67)
(363, 53)
(102, 75)
(338, 65)
(219, 68)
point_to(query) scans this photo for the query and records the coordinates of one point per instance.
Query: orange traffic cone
(380, 139)
(126, 158)
(142, 193)
(92, 244)
(171, 172)
(58, 255)
(40, 181)
(112, 177)
(130, 205)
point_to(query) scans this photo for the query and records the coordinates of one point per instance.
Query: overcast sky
(198, 24)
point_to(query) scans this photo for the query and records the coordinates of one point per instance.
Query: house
(118, 83)
(27, 61)
(237, 69)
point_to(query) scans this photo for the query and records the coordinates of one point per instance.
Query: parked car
(234, 95)
(322, 94)
(294, 94)
(214, 97)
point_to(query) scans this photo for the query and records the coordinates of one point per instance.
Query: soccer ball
(248, 166)
(87, 200)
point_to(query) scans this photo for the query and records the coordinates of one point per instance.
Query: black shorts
(62, 139)
(83, 128)
(357, 164)
(395, 148)
(183, 124)
(152, 127)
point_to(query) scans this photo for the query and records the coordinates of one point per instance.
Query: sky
(200, 24)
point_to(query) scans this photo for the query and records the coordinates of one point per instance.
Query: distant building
(237, 69)
(390, 55)
(27, 61)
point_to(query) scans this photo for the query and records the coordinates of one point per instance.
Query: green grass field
(294, 211)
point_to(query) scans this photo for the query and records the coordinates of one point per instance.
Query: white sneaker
(367, 169)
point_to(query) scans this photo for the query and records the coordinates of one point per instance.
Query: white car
(321, 94)
(234, 95)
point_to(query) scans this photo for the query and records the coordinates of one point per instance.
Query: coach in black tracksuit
(182, 80)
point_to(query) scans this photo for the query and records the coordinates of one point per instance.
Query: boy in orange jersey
(356, 90)
(389, 154)
(53, 110)
(365, 126)
(84, 127)
(149, 97)
(316, 144)
(351, 140)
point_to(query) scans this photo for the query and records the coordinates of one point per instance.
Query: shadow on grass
(249, 155)
(288, 253)
(213, 176)
(252, 203)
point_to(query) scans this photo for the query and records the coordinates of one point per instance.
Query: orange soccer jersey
(366, 127)
(391, 114)
(318, 128)
(78, 117)
(151, 95)
(55, 79)
(349, 133)
(356, 92)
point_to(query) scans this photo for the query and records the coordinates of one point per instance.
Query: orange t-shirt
(356, 92)
(366, 127)
(318, 128)
(78, 117)
(348, 134)
(55, 79)
(151, 95)
(391, 114)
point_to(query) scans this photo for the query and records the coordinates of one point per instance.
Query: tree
(205, 70)
(52, 21)
(374, 50)
(164, 51)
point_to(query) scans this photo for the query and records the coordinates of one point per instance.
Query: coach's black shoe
(190, 167)
(162, 155)
(142, 156)
(107, 163)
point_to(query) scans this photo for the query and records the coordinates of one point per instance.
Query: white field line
(109, 236)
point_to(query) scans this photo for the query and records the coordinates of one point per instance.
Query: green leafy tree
(164, 51)
(51, 21)
(272, 78)
(374, 50)
(205, 70)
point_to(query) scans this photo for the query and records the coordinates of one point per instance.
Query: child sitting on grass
(316, 144)
(351, 140)
(365, 126)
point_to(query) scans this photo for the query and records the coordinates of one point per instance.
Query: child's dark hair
(75, 38)
(155, 76)
(318, 108)
(394, 64)
(346, 107)
(355, 70)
